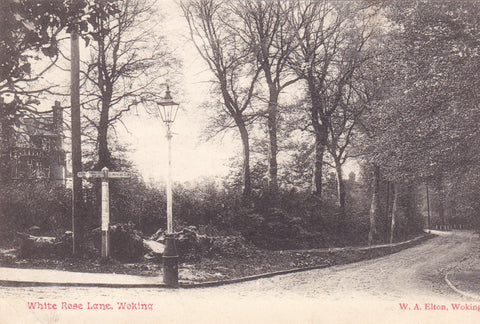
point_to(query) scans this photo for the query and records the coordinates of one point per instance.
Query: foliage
(38, 203)
(422, 125)
(126, 244)
(131, 201)
(232, 246)
(425, 124)
(298, 222)
(30, 27)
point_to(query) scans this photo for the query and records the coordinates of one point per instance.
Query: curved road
(364, 292)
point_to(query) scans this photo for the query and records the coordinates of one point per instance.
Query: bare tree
(332, 40)
(264, 27)
(344, 123)
(214, 31)
(126, 67)
(341, 131)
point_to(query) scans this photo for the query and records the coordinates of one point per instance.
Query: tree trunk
(320, 126)
(340, 189)
(428, 209)
(411, 209)
(321, 137)
(247, 186)
(317, 166)
(6, 133)
(374, 206)
(441, 198)
(441, 209)
(394, 211)
(387, 208)
(104, 156)
(273, 145)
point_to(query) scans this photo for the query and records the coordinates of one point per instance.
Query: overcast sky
(192, 157)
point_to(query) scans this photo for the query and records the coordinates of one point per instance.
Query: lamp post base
(170, 262)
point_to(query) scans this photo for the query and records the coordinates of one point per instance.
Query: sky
(192, 157)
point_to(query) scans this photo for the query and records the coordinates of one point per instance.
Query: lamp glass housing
(167, 108)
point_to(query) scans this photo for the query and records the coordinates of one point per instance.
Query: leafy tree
(432, 91)
(423, 127)
(26, 30)
(444, 39)
(32, 27)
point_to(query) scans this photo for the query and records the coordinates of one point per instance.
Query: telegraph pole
(428, 210)
(76, 142)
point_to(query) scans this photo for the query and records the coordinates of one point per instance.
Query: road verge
(43, 277)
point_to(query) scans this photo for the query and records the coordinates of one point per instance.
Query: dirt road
(364, 292)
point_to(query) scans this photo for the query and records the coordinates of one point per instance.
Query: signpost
(105, 175)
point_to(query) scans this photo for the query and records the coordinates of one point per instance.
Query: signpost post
(105, 175)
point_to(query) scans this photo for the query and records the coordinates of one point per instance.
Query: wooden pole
(76, 143)
(105, 175)
(428, 210)
(395, 189)
(105, 214)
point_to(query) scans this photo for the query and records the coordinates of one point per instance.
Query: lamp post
(167, 110)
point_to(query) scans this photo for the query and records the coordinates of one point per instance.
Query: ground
(206, 268)
(369, 291)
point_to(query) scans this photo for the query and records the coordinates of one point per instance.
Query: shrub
(231, 246)
(131, 201)
(126, 244)
(41, 203)
(191, 245)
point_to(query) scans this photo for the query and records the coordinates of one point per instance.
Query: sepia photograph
(239, 161)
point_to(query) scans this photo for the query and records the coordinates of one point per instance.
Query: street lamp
(167, 109)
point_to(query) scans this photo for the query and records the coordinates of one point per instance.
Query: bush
(275, 230)
(231, 246)
(191, 245)
(25, 204)
(126, 243)
(298, 220)
(45, 247)
(131, 201)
